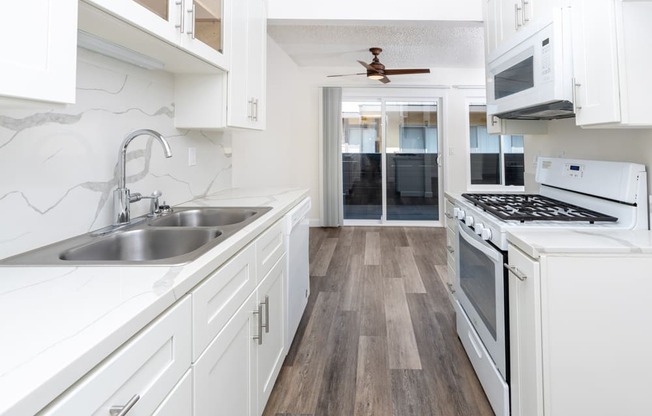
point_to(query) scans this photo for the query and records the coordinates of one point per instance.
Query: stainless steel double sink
(174, 238)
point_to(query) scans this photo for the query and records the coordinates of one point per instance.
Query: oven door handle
(481, 245)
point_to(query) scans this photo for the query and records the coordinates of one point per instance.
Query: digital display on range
(545, 42)
(575, 168)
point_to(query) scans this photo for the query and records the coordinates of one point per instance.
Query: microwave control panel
(546, 60)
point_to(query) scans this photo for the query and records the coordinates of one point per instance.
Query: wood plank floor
(378, 336)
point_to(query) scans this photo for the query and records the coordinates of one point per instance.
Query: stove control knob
(469, 221)
(478, 228)
(486, 234)
(460, 214)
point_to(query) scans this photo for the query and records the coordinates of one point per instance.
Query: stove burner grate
(532, 207)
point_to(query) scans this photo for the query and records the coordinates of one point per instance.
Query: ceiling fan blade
(346, 75)
(407, 71)
(384, 80)
(369, 67)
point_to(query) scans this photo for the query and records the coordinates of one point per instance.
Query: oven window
(514, 79)
(478, 281)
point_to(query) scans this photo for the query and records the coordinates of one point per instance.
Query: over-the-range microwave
(531, 76)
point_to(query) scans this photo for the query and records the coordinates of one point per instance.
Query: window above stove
(495, 162)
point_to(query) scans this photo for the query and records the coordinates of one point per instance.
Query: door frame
(393, 94)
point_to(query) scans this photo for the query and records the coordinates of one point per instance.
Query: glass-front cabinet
(194, 26)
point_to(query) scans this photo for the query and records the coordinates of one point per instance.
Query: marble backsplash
(58, 163)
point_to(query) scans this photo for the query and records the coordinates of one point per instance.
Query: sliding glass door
(390, 169)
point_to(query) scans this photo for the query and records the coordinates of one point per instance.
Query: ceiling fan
(376, 70)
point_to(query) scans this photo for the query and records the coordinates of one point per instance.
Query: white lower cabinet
(179, 401)
(225, 375)
(271, 349)
(525, 335)
(236, 373)
(580, 343)
(142, 372)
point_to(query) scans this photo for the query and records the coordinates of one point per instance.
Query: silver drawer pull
(450, 249)
(123, 410)
(266, 303)
(259, 312)
(448, 215)
(519, 274)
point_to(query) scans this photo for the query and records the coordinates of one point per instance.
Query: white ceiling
(423, 44)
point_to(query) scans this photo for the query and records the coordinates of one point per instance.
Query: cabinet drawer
(147, 367)
(448, 213)
(270, 246)
(220, 296)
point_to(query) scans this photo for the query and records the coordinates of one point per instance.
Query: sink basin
(208, 217)
(142, 245)
(171, 239)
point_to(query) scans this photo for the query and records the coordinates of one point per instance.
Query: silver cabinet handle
(123, 410)
(266, 303)
(180, 25)
(525, 3)
(451, 287)
(250, 109)
(191, 12)
(255, 113)
(259, 312)
(576, 85)
(517, 24)
(450, 249)
(447, 215)
(519, 274)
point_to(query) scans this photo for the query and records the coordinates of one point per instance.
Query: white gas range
(577, 194)
(582, 194)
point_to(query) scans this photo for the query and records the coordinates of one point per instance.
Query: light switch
(192, 156)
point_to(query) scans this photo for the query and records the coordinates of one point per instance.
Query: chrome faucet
(122, 197)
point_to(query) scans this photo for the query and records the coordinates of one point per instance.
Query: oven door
(481, 292)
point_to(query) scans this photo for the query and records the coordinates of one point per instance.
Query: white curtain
(332, 156)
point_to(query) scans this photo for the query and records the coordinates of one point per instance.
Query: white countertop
(570, 242)
(57, 323)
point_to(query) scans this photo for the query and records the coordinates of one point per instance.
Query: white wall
(564, 139)
(376, 10)
(58, 163)
(287, 152)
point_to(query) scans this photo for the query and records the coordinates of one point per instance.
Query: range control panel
(574, 170)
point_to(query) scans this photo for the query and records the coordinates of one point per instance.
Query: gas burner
(532, 207)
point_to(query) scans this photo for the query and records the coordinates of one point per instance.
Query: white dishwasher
(298, 274)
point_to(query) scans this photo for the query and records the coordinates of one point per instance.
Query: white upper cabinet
(612, 40)
(505, 18)
(236, 98)
(247, 80)
(39, 50)
(185, 36)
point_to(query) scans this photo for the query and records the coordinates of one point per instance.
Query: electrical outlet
(192, 156)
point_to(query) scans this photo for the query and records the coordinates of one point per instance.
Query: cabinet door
(179, 401)
(510, 18)
(491, 25)
(595, 62)
(271, 352)
(39, 50)
(204, 29)
(247, 76)
(525, 335)
(225, 375)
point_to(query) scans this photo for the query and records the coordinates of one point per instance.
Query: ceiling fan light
(375, 76)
